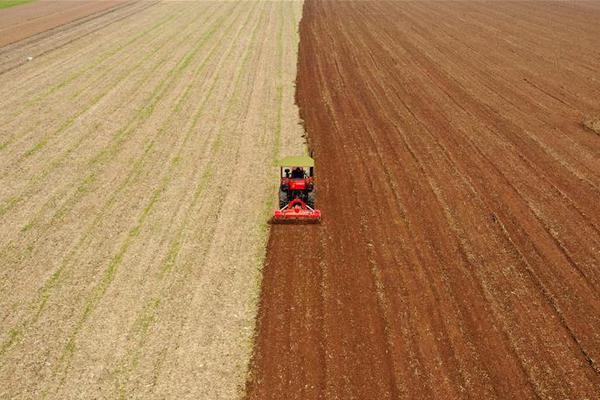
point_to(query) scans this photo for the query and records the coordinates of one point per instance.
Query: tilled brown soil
(459, 255)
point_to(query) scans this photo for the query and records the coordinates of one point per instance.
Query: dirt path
(459, 253)
(132, 268)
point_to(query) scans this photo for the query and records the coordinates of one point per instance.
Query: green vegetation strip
(12, 3)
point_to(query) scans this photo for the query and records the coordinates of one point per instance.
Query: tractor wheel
(283, 199)
(310, 200)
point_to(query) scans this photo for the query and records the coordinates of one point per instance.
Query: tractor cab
(296, 178)
(294, 173)
(297, 190)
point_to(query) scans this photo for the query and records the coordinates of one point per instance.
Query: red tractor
(297, 191)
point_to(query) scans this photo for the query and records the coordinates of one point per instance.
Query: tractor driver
(287, 172)
(297, 173)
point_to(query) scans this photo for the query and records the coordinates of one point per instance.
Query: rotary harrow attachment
(297, 192)
(297, 211)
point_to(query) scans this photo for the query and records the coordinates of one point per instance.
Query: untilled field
(47, 17)
(459, 255)
(136, 176)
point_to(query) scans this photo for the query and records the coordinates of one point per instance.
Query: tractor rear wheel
(283, 199)
(310, 200)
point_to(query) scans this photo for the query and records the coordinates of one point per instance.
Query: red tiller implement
(297, 210)
(297, 191)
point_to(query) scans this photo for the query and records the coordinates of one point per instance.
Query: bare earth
(459, 255)
(23, 21)
(136, 175)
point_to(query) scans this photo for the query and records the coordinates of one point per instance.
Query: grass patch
(12, 3)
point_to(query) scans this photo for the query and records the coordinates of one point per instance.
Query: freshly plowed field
(459, 254)
(136, 177)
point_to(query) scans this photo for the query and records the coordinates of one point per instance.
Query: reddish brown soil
(459, 256)
(20, 22)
